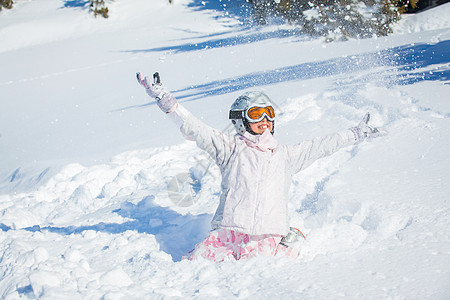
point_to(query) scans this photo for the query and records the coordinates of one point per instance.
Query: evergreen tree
(6, 4)
(335, 19)
(98, 7)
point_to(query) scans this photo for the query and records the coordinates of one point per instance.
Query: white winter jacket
(256, 173)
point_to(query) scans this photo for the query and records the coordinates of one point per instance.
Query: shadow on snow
(177, 234)
(405, 66)
(77, 3)
(402, 65)
(238, 9)
(236, 40)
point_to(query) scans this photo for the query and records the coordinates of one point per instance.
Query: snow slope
(89, 202)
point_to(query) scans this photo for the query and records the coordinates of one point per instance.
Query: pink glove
(165, 100)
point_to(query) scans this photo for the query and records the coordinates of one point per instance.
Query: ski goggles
(255, 114)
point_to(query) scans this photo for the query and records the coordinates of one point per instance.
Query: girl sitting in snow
(251, 218)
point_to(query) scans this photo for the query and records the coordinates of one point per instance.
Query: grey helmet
(240, 107)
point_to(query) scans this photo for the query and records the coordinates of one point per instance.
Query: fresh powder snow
(101, 196)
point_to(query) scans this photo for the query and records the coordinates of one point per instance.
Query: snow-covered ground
(89, 202)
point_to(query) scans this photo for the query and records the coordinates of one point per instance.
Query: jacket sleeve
(218, 145)
(304, 154)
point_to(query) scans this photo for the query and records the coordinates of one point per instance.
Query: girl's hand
(165, 100)
(363, 130)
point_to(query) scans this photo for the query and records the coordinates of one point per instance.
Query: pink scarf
(264, 142)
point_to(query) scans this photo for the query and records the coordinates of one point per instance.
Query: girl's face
(261, 126)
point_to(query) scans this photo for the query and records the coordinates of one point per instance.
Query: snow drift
(101, 196)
